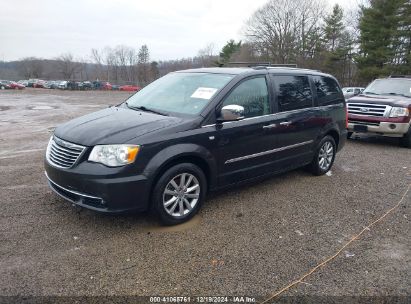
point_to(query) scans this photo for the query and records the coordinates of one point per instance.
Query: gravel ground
(249, 241)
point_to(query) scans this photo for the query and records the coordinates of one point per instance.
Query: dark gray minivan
(195, 131)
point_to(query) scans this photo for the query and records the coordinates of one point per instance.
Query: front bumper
(103, 191)
(392, 129)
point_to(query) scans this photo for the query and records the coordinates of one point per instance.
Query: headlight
(399, 112)
(114, 155)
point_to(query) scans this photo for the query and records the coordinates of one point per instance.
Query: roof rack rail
(399, 76)
(262, 65)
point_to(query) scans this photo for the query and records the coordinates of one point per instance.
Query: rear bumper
(101, 192)
(392, 129)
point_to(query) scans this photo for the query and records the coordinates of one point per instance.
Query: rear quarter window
(293, 92)
(328, 91)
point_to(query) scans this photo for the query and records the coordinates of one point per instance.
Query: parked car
(102, 85)
(352, 91)
(38, 83)
(130, 88)
(16, 85)
(384, 108)
(5, 85)
(63, 85)
(48, 84)
(23, 82)
(86, 85)
(195, 131)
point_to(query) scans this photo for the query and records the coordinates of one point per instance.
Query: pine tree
(379, 38)
(143, 65)
(334, 27)
(229, 50)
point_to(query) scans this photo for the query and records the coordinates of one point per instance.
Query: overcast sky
(171, 29)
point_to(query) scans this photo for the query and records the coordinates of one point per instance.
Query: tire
(406, 140)
(2, 88)
(319, 166)
(180, 208)
(349, 134)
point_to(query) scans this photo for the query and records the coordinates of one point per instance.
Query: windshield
(185, 93)
(390, 87)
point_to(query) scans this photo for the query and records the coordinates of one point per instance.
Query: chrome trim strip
(71, 191)
(274, 114)
(268, 152)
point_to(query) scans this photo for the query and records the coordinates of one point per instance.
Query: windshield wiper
(145, 109)
(396, 94)
(371, 93)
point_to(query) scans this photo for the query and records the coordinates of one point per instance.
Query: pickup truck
(384, 108)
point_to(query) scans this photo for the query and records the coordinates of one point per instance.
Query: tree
(229, 50)
(67, 66)
(143, 65)
(280, 30)
(382, 41)
(206, 55)
(31, 67)
(334, 27)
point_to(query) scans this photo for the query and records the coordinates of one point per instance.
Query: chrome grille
(63, 154)
(368, 109)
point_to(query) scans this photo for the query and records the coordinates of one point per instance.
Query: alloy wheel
(181, 195)
(326, 155)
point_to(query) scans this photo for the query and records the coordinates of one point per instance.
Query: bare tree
(67, 66)
(279, 30)
(207, 55)
(31, 67)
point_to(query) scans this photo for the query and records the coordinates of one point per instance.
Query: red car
(16, 86)
(130, 88)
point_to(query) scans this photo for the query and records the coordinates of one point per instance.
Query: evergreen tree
(143, 65)
(334, 27)
(380, 38)
(229, 50)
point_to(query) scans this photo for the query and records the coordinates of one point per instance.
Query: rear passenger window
(328, 91)
(252, 94)
(293, 92)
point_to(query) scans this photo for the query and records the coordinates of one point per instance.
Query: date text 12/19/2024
(204, 299)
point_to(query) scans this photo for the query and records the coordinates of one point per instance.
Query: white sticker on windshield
(204, 93)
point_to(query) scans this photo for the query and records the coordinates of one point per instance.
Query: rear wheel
(324, 156)
(406, 140)
(179, 193)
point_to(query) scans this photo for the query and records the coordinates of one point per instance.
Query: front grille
(366, 123)
(367, 109)
(63, 154)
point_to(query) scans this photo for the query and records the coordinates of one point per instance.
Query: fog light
(392, 126)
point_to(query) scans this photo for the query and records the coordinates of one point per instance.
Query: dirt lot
(251, 241)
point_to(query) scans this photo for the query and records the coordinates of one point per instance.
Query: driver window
(252, 94)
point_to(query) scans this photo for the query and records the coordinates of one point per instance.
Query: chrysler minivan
(195, 131)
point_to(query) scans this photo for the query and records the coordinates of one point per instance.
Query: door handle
(270, 126)
(285, 123)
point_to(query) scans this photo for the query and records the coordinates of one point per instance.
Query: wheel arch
(182, 153)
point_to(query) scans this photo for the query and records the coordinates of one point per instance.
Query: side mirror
(231, 113)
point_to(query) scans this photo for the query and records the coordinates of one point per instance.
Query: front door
(243, 144)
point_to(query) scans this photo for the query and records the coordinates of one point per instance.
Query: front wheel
(179, 193)
(324, 156)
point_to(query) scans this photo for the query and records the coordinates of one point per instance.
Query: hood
(113, 125)
(391, 100)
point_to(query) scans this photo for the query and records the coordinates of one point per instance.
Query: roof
(238, 71)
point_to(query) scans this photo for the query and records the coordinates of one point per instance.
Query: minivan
(195, 131)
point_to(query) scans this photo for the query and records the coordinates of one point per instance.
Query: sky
(171, 29)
